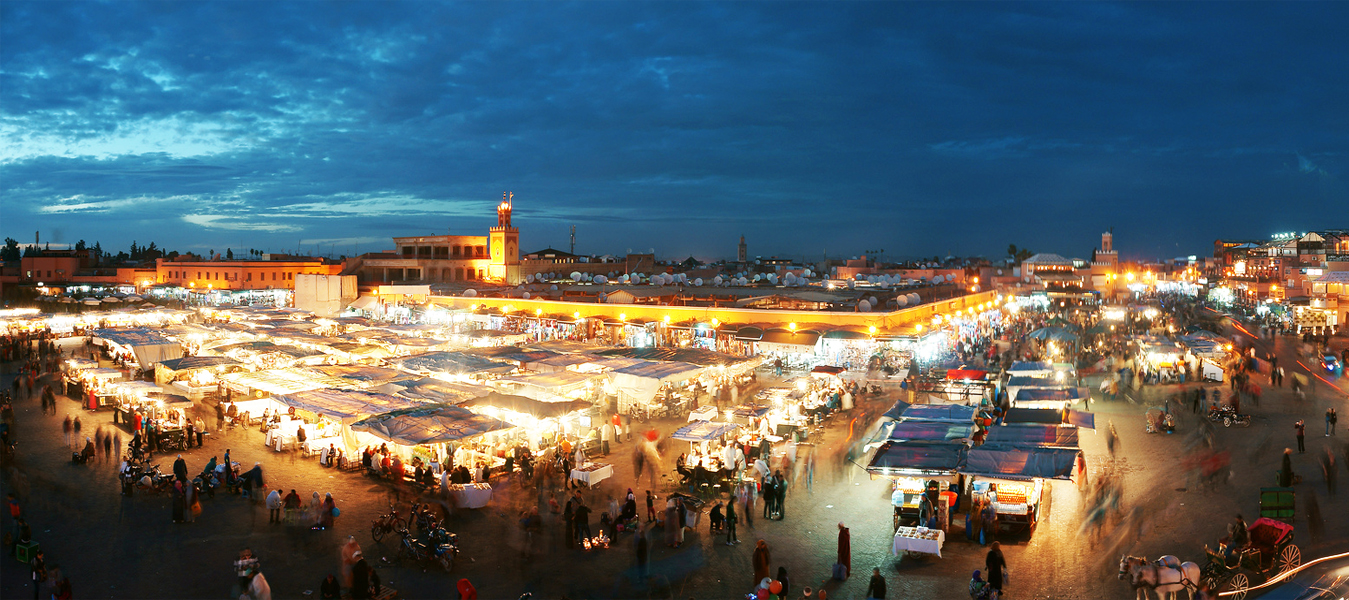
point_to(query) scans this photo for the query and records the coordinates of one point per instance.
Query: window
(250, 277)
(424, 251)
(273, 275)
(408, 250)
(49, 273)
(456, 252)
(459, 272)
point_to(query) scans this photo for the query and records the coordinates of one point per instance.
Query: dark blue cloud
(810, 128)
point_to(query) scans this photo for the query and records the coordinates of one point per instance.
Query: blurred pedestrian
(350, 555)
(761, 559)
(1301, 427)
(66, 427)
(643, 550)
(845, 548)
(996, 567)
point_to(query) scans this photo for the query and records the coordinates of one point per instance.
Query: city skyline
(922, 129)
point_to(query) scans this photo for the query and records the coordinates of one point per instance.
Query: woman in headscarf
(349, 551)
(786, 583)
(761, 560)
(326, 513)
(179, 501)
(315, 507)
(671, 523)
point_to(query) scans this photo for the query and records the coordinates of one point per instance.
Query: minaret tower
(742, 251)
(504, 244)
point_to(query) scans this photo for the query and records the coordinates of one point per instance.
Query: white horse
(1166, 577)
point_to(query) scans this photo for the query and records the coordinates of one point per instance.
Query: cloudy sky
(810, 128)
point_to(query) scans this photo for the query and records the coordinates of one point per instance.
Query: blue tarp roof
(917, 458)
(430, 424)
(1031, 366)
(456, 363)
(1027, 381)
(1007, 462)
(133, 336)
(1033, 436)
(196, 362)
(952, 413)
(693, 356)
(930, 431)
(704, 431)
(1044, 394)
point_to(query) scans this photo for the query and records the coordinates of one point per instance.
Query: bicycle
(385, 524)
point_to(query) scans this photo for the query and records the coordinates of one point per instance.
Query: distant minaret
(1107, 254)
(742, 251)
(504, 244)
(573, 239)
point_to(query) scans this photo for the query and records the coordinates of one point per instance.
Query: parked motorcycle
(385, 524)
(1228, 416)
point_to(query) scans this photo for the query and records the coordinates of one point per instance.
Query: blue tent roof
(1028, 436)
(704, 431)
(932, 431)
(1007, 462)
(1044, 394)
(918, 458)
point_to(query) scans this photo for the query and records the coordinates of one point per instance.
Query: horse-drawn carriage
(1270, 552)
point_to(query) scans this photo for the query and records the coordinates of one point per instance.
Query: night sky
(922, 129)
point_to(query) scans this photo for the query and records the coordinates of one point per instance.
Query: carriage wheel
(1239, 584)
(1290, 558)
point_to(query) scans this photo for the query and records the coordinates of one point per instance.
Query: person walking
(1330, 421)
(39, 566)
(731, 519)
(1301, 427)
(876, 587)
(219, 417)
(749, 505)
(1286, 471)
(643, 547)
(582, 518)
(569, 518)
(995, 565)
(66, 427)
(761, 559)
(845, 550)
(650, 507)
(274, 506)
(200, 430)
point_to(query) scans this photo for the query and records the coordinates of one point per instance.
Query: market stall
(592, 473)
(143, 347)
(195, 376)
(918, 540)
(639, 386)
(93, 386)
(452, 365)
(330, 413)
(1013, 478)
(421, 433)
(541, 423)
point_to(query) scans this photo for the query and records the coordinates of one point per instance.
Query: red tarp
(958, 374)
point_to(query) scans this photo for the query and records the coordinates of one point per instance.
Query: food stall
(452, 366)
(422, 431)
(540, 423)
(918, 469)
(327, 415)
(195, 376)
(1051, 397)
(94, 387)
(1014, 478)
(640, 386)
(143, 347)
(970, 387)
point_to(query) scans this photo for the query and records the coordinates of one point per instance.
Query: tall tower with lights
(742, 251)
(504, 244)
(1107, 253)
